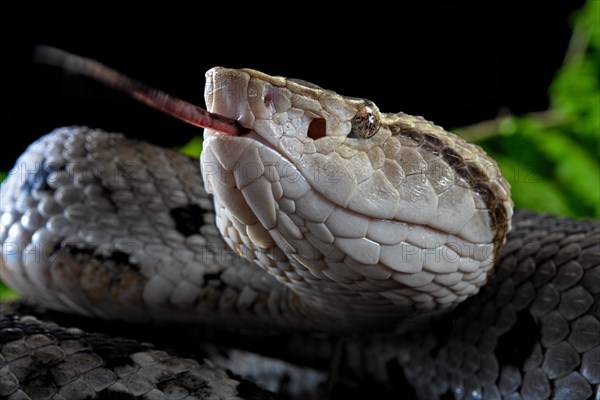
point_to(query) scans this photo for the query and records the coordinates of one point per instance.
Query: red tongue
(180, 109)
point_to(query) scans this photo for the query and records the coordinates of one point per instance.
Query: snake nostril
(317, 128)
(268, 100)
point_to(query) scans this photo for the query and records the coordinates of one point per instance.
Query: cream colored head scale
(369, 216)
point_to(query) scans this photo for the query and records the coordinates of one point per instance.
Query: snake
(311, 213)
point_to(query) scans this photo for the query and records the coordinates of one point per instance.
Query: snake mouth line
(245, 133)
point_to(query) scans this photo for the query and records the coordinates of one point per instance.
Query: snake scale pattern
(325, 215)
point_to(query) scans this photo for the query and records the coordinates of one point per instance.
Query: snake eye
(366, 122)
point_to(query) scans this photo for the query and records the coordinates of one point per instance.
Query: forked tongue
(180, 109)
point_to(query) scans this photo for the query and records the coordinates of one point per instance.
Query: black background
(453, 64)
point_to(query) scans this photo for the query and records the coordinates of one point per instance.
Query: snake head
(368, 213)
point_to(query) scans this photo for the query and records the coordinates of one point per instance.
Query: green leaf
(532, 192)
(552, 156)
(590, 20)
(7, 294)
(575, 90)
(193, 148)
(574, 170)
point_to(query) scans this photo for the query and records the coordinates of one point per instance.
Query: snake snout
(226, 94)
(278, 108)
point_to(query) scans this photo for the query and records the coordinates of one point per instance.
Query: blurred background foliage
(551, 158)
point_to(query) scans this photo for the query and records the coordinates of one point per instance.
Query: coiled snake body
(326, 215)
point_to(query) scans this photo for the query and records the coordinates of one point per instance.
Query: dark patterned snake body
(371, 225)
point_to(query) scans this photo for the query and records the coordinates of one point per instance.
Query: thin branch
(494, 127)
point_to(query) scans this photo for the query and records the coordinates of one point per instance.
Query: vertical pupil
(370, 116)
